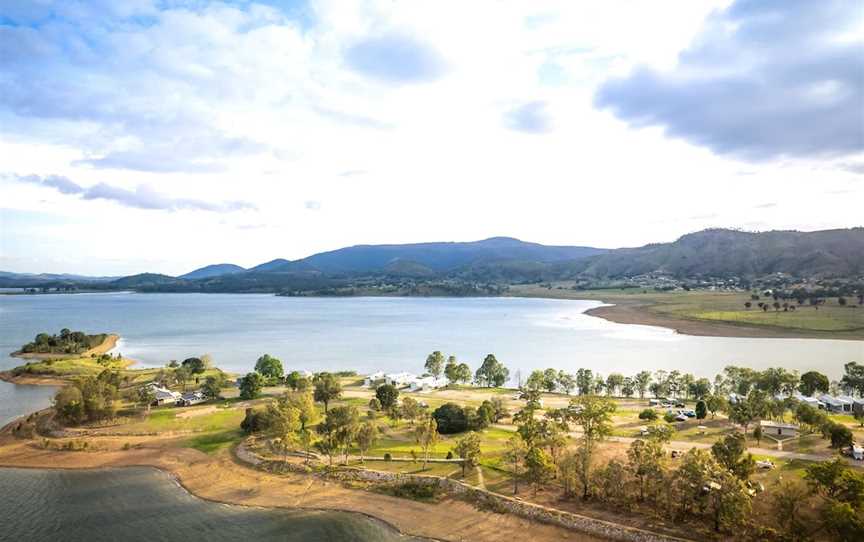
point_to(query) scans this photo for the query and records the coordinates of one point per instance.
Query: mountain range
(708, 253)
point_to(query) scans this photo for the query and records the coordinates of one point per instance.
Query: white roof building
(778, 429)
(370, 380)
(399, 379)
(426, 383)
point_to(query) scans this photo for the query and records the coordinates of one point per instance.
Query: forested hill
(717, 252)
(457, 268)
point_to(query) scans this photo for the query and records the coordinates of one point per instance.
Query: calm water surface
(367, 334)
(145, 504)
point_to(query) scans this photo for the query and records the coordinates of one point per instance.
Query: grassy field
(830, 319)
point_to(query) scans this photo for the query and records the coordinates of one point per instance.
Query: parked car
(681, 418)
(679, 404)
(689, 413)
(765, 464)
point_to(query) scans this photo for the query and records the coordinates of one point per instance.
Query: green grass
(166, 419)
(210, 443)
(726, 307)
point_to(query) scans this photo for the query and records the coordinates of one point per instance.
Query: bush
(841, 436)
(416, 491)
(669, 417)
(388, 457)
(450, 418)
(648, 414)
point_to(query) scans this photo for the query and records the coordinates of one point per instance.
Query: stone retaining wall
(482, 498)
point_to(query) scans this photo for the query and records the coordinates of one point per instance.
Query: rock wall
(482, 498)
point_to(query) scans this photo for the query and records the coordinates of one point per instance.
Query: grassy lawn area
(720, 307)
(201, 418)
(72, 367)
(211, 443)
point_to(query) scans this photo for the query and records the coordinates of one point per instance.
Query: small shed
(778, 429)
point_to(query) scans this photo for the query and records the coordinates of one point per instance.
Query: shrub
(669, 417)
(388, 457)
(648, 414)
(450, 418)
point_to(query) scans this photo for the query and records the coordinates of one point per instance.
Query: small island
(67, 344)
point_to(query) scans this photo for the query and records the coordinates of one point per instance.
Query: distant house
(191, 398)
(400, 380)
(858, 405)
(426, 383)
(164, 396)
(848, 402)
(371, 380)
(832, 404)
(778, 430)
(812, 401)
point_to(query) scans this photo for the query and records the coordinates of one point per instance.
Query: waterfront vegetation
(67, 342)
(580, 442)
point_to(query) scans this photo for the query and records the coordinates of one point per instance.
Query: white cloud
(245, 103)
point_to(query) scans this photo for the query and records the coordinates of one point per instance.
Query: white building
(400, 380)
(833, 404)
(812, 401)
(426, 383)
(164, 396)
(373, 379)
(778, 430)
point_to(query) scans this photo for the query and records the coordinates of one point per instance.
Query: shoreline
(637, 313)
(107, 344)
(221, 479)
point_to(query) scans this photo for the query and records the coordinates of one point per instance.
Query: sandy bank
(635, 312)
(32, 380)
(220, 479)
(105, 346)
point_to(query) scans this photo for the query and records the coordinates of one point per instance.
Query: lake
(395, 334)
(145, 504)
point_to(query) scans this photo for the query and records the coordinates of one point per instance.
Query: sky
(161, 136)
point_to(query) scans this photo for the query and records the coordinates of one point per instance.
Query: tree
(841, 436)
(514, 454)
(146, 396)
(789, 497)
(450, 418)
(181, 375)
(700, 388)
(327, 388)
(375, 404)
(450, 370)
(729, 452)
(628, 387)
(195, 366)
(292, 380)
(813, 382)
(539, 467)
(853, 379)
(613, 382)
(251, 385)
(701, 410)
(642, 380)
(463, 373)
(645, 462)
(468, 448)
(435, 363)
(584, 381)
(491, 373)
(536, 381)
(426, 435)
(757, 434)
(305, 405)
(269, 367)
(339, 429)
(565, 382)
(550, 380)
(843, 521)
(388, 396)
(282, 421)
(715, 403)
(485, 416)
(594, 415)
(69, 405)
(367, 435)
(213, 384)
(410, 409)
